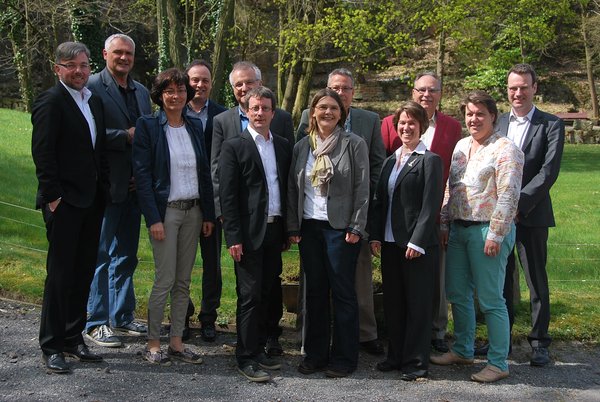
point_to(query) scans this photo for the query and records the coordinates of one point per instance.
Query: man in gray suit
(541, 137)
(245, 76)
(112, 300)
(368, 126)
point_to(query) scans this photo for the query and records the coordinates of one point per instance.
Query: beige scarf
(322, 171)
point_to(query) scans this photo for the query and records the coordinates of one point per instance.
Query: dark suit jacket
(543, 148)
(228, 125)
(348, 194)
(448, 132)
(67, 164)
(365, 124)
(117, 121)
(213, 110)
(152, 167)
(416, 201)
(244, 192)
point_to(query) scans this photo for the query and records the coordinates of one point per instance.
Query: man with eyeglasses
(365, 124)
(111, 304)
(245, 76)
(253, 174)
(68, 149)
(441, 138)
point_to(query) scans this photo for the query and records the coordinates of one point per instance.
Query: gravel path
(124, 375)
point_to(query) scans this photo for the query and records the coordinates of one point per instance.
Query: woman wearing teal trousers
(478, 229)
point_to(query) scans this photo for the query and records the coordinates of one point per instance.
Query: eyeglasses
(324, 108)
(240, 84)
(424, 90)
(256, 109)
(171, 93)
(341, 89)
(73, 66)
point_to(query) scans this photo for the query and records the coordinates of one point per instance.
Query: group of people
(443, 213)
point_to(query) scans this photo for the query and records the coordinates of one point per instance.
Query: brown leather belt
(183, 205)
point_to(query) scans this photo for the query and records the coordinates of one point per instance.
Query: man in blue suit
(199, 72)
(111, 303)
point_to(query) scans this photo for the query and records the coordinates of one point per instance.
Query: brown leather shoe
(449, 358)
(489, 374)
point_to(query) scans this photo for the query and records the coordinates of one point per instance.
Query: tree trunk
(162, 24)
(290, 86)
(308, 68)
(589, 67)
(220, 50)
(176, 49)
(441, 53)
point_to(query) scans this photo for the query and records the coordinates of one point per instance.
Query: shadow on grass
(586, 158)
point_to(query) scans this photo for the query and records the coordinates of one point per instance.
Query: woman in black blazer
(403, 230)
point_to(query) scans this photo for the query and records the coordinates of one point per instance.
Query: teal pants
(467, 269)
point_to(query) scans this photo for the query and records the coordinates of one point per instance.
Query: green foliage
(85, 26)
(490, 75)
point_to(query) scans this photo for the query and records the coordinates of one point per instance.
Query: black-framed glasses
(74, 66)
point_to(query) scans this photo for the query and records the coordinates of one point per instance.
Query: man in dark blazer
(68, 144)
(243, 77)
(365, 124)
(253, 174)
(111, 304)
(199, 72)
(541, 137)
(440, 138)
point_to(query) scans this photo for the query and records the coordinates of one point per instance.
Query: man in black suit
(253, 174)
(210, 247)
(245, 76)
(541, 137)
(111, 304)
(67, 146)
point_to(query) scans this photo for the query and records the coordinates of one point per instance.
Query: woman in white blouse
(479, 209)
(175, 195)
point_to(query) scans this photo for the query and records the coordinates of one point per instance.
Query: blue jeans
(330, 266)
(467, 269)
(112, 299)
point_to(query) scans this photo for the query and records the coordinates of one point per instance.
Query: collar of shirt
(348, 122)
(243, 114)
(433, 120)
(520, 120)
(420, 149)
(85, 94)
(255, 134)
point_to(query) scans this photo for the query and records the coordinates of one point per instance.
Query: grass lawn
(574, 245)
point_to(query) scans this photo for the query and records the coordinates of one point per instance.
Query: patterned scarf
(323, 168)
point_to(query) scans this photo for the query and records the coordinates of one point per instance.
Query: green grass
(574, 245)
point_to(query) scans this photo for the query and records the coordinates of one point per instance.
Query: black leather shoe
(82, 353)
(337, 372)
(273, 347)
(386, 366)
(413, 376)
(56, 363)
(307, 368)
(440, 345)
(208, 332)
(373, 347)
(539, 356)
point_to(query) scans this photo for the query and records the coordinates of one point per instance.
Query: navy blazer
(67, 164)
(244, 192)
(117, 121)
(151, 167)
(543, 147)
(416, 201)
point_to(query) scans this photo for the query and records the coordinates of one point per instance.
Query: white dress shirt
(518, 127)
(183, 175)
(82, 98)
(315, 205)
(427, 137)
(266, 149)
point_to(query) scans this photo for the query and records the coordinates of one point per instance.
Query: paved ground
(124, 375)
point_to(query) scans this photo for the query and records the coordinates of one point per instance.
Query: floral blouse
(485, 187)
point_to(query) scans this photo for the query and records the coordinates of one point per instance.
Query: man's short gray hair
(70, 50)
(245, 65)
(428, 74)
(124, 37)
(341, 71)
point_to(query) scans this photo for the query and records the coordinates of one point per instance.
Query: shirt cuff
(416, 248)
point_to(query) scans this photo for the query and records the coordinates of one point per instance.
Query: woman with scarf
(328, 199)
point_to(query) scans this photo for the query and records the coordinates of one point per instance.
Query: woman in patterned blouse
(478, 230)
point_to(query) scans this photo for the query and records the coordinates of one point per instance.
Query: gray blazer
(116, 119)
(367, 125)
(227, 125)
(543, 147)
(348, 196)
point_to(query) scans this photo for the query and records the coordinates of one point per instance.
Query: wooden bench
(579, 128)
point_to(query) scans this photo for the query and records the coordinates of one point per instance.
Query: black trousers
(408, 288)
(73, 234)
(531, 247)
(256, 275)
